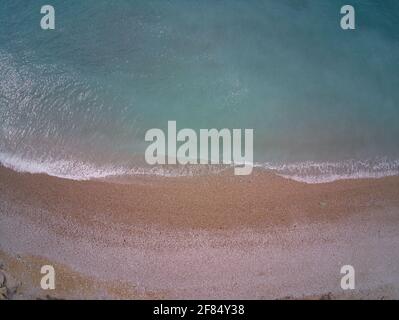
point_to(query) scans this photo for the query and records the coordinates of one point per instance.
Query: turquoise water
(323, 102)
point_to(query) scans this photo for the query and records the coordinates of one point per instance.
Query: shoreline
(260, 236)
(309, 172)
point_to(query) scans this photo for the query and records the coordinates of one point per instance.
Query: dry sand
(260, 237)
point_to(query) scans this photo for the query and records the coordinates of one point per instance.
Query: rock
(327, 296)
(2, 278)
(10, 284)
(3, 293)
(323, 204)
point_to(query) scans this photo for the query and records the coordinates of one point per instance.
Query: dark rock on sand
(8, 285)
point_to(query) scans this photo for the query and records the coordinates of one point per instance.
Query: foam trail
(73, 170)
(307, 172)
(82, 171)
(323, 172)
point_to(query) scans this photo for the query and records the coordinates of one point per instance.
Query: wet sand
(261, 236)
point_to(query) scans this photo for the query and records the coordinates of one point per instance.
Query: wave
(73, 170)
(81, 170)
(305, 172)
(323, 172)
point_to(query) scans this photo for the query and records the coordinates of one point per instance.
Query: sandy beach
(221, 236)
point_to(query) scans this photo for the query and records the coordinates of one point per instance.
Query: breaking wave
(322, 172)
(307, 172)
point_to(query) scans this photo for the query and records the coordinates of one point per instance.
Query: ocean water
(324, 103)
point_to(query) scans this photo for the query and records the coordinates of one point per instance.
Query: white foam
(323, 172)
(81, 171)
(74, 170)
(306, 172)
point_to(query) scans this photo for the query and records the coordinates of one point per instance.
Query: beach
(218, 236)
(126, 125)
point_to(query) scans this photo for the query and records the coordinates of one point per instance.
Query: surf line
(189, 149)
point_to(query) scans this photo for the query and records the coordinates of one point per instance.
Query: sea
(76, 101)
